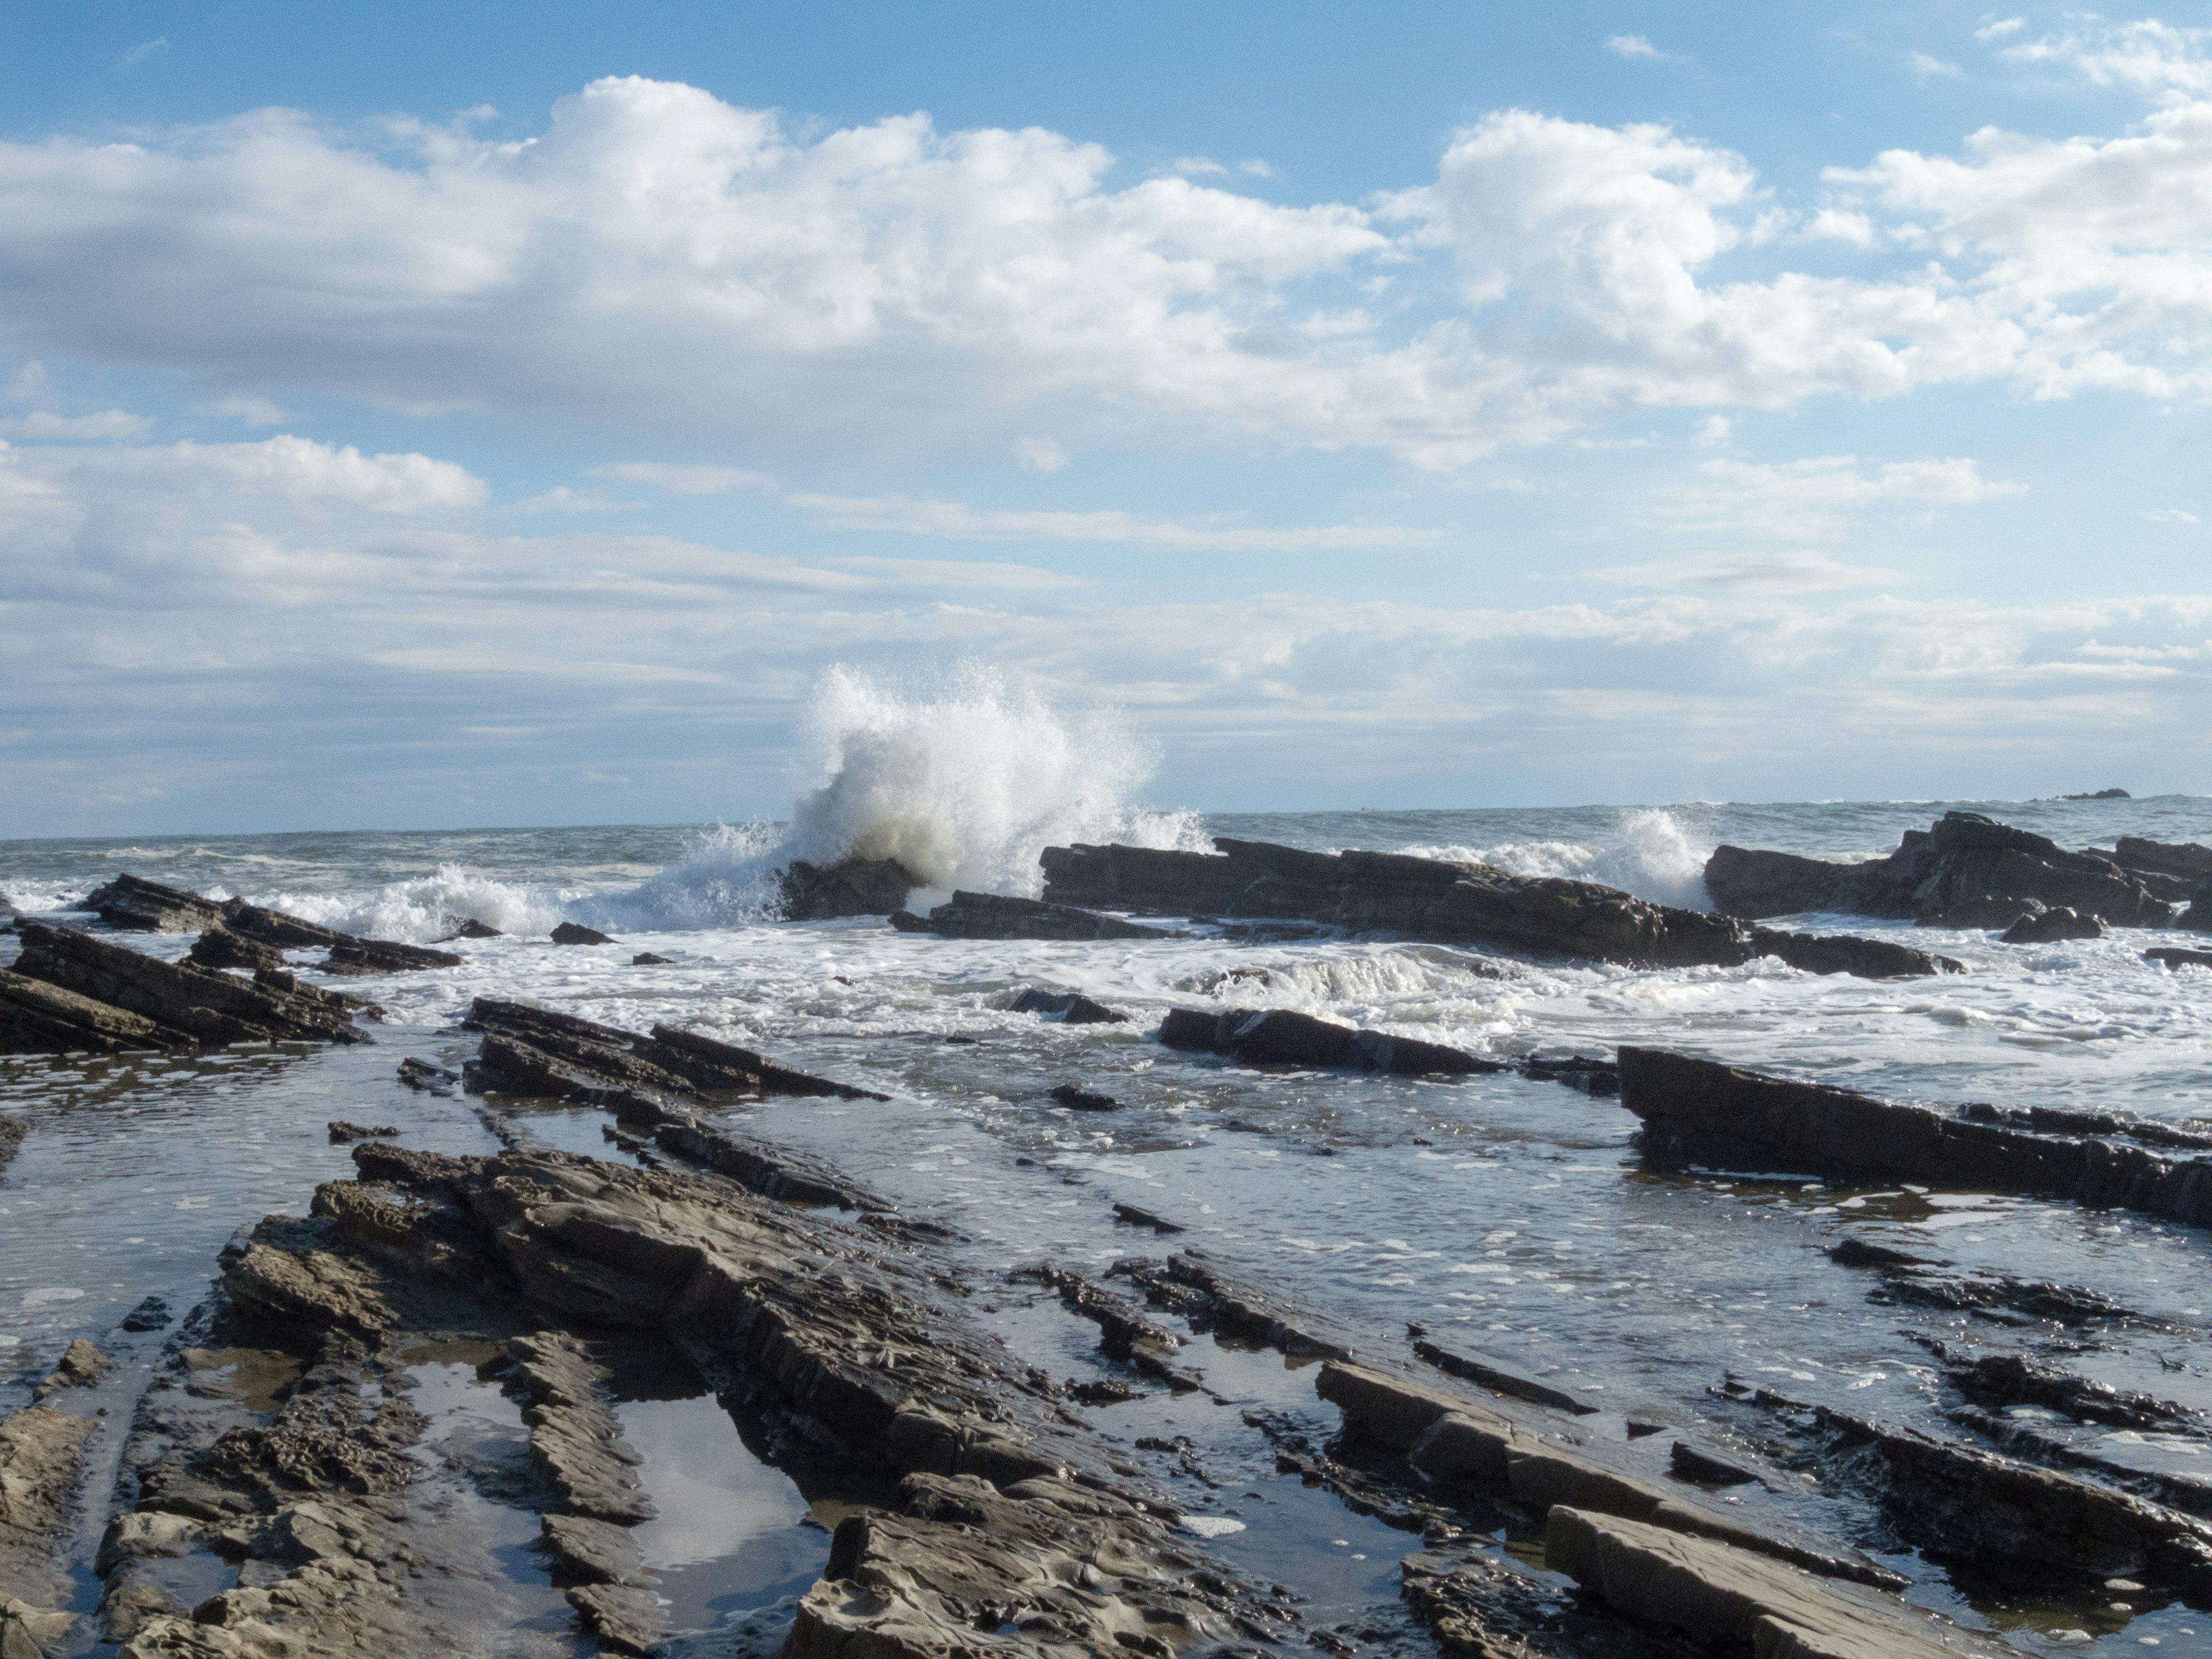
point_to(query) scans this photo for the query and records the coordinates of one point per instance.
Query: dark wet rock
(1275, 933)
(1599, 1079)
(82, 1364)
(850, 887)
(2072, 1120)
(1140, 1217)
(470, 927)
(1846, 953)
(431, 1080)
(39, 1018)
(1967, 870)
(218, 947)
(994, 915)
(1102, 1391)
(574, 932)
(2037, 925)
(1739, 1602)
(151, 1314)
(1858, 1253)
(343, 1133)
(378, 956)
(702, 1057)
(1703, 1110)
(791, 1178)
(2002, 1298)
(1456, 1442)
(342, 1004)
(1124, 1334)
(2198, 916)
(647, 959)
(1069, 1007)
(1497, 1379)
(1083, 1100)
(1415, 898)
(2100, 795)
(277, 927)
(1282, 1036)
(148, 907)
(1189, 1283)
(538, 1050)
(2187, 858)
(1688, 1463)
(2174, 956)
(185, 1004)
(2001, 1380)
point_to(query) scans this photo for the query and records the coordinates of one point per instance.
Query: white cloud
(254, 411)
(1041, 454)
(1930, 68)
(682, 480)
(2170, 515)
(1818, 498)
(561, 499)
(1801, 572)
(900, 515)
(45, 424)
(1715, 430)
(1197, 167)
(2142, 56)
(27, 384)
(1255, 168)
(1632, 46)
(144, 50)
(2000, 28)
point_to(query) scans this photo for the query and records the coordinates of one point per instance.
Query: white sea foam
(428, 907)
(1653, 857)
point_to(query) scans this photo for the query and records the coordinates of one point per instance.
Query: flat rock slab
(994, 915)
(1282, 1036)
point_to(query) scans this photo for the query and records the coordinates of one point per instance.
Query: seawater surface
(1498, 1214)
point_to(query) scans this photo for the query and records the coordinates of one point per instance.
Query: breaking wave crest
(1654, 859)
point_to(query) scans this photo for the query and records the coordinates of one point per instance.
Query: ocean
(1510, 1216)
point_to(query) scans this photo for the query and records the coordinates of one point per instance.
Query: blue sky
(452, 416)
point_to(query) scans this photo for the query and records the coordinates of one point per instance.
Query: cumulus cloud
(903, 515)
(2142, 57)
(1928, 67)
(1818, 498)
(704, 269)
(43, 424)
(1632, 46)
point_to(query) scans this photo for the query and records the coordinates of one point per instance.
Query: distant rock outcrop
(1966, 870)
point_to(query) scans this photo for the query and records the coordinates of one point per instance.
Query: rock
(470, 927)
(218, 947)
(572, 933)
(1498, 1379)
(1081, 1100)
(1703, 1109)
(1070, 1008)
(1190, 1284)
(2004, 1380)
(2038, 925)
(678, 1048)
(575, 1442)
(1415, 898)
(151, 1315)
(2175, 958)
(1688, 1463)
(790, 1177)
(2199, 915)
(277, 927)
(625, 1620)
(2186, 859)
(1845, 953)
(850, 887)
(993, 915)
(431, 1080)
(590, 1552)
(1726, 1596)
(289, 1286)
(647, 959)
(1858, 1253)
(379, 955)
(39, 1018)
(1599, 1079)
(1967, 870)
(1137, 1217)
(148, 907)
(80, 1365)
(343, 1133)
(185, 1003)
(1282, 1036)
(2100, 795)
(34, 1632)
(41, 1456)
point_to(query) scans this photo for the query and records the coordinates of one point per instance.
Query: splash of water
(1653, 858)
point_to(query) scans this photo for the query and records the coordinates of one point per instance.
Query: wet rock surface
(1069, 1007)
(1845, 953)
(574, 932)
(2037, 925)
(1283, 1037)
(376, 955)
(994, 915)
(1967, 870)
(1413, 897)
(852, 887)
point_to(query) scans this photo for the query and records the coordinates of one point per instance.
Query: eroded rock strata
(994, 915)
(1704, 1110)
(1966, 870)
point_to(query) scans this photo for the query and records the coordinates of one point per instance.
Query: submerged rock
(994, 915)
(1966, 870)
(1416, 899)
(2038, 925)
(850, 887)
(574, 932)
(1846, 953)
(1703, 1109)
(1082, 1100)
(1069, 1007)
(2173, 957)
(470, 927)
(647, 959)
(1282, 1036)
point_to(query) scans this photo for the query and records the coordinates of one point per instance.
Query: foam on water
(1652, 856)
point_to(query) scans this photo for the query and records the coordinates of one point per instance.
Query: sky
(422, 417)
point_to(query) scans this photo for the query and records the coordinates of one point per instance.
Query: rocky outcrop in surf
(850, 887)
(1703, 1110)
(1846, 953)
(1282, 1036)
(994, 915)
(1966, 870)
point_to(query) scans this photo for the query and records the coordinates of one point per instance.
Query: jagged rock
(343, 1133)
(1282, 1036)
(1190, 1284)
(590, 1552)
(1704, 1109)
(1416, 899)
(470, 927)
(41, 1455)
(187, 1003)
(277, 927)
(574, 932)
(218, 947)
(994, 915)
(2199, 915)
(431, 1080)
(625, 1620)
(2100, 795)
(559, 1054)
(39, 1018)
(1137, 1217)
(342, 1004)
(647, 959)
(1727, 1596)
(379, 956)
(148, 907)
(1598, 1079)
(1070, 1008)
(2186, 859)
(1967, 870)
(1082, 1100)
(2002, 1380)
(1846, 953)
(80, 1365)
(305, 1289)
(850, 887)
(2039, 926)
(151, 1315)
(2173, 957)
(575, 1442)
(34, 1632)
